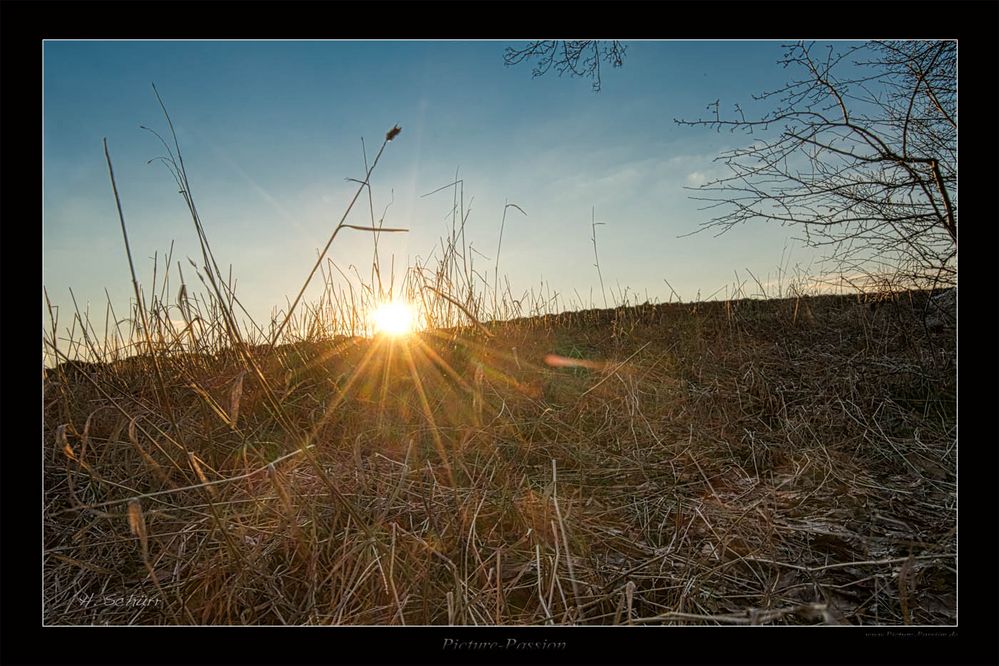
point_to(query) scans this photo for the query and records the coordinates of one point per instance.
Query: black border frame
(25, 24)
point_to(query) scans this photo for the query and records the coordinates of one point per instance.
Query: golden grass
(724, 466)
(779, 461)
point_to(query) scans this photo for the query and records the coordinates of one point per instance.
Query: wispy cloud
(696, 179)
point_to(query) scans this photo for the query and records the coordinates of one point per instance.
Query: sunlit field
(727, 462)
(779, 461)
(420, 445)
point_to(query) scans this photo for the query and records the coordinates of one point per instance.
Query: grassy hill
(758, 461)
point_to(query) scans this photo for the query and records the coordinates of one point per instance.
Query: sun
(394, 319)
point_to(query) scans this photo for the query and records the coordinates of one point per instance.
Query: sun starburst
(394, 319)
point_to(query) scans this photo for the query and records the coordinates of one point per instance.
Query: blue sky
(271, 130)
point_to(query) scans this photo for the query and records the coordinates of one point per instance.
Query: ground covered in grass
(779, 462)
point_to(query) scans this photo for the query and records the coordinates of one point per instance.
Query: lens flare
(394, 319)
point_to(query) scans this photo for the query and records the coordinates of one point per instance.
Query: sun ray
(386, 378)
(444, 365)
(430, 416)
(492, 370)
(341, 393)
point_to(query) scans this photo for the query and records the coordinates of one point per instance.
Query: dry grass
(780, 461)
(732, 462)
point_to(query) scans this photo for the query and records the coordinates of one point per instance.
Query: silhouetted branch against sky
(577, 58)
(858, 149)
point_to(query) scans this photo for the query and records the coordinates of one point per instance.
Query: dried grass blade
(137, 525)
(234, 397)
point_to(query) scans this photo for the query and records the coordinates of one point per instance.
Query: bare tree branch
(577, 58)
(859, 151)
